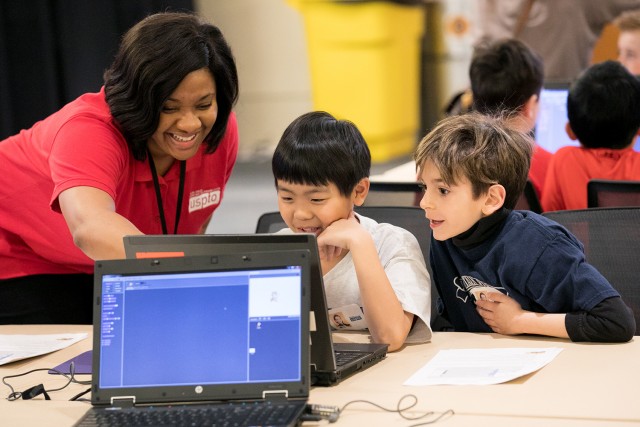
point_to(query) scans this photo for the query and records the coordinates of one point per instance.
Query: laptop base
(367, 355)
(287, 413)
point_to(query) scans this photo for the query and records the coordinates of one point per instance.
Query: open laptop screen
(201, 327)
(550, 131)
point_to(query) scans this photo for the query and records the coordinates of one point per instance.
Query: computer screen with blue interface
(550, 131)
(222, 327)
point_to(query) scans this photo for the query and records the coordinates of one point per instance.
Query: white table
(586, 385)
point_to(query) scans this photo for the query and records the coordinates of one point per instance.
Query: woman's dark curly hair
(155, 55)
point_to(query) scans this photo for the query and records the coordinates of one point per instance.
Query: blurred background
(389, 66)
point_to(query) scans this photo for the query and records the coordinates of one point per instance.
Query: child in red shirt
(603, 107)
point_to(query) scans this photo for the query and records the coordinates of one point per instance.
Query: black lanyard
(156, 184)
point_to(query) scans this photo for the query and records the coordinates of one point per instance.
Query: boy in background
(496, 269)
(321, 168)
(603, 108)
(629, 40)
(506, 79)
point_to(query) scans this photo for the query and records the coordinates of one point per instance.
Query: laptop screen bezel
(203, 393)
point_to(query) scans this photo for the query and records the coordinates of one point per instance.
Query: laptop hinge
(275, 395)
(123, 401)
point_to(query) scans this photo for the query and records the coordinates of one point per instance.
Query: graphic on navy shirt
(470, 286)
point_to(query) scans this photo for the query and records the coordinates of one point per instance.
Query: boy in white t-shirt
(321, 169)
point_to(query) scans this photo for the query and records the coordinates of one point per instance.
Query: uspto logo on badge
(201, 199)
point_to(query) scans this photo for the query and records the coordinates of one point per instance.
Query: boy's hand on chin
(338, 236)
(327, 253)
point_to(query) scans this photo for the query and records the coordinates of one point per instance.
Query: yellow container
(365, 66)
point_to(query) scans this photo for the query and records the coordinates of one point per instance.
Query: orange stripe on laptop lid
(141, 255)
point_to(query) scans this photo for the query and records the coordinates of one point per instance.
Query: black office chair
(410, 218)
(529, 199)
(270, 222)
(604, 193)
(388, 193)
(611, 239)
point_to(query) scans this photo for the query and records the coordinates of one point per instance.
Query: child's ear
(531, 107)
(572, 136)
(494, 199)
(360, 191)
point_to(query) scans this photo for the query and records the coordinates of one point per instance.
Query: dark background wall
(52, 51)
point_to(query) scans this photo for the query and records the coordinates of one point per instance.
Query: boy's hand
(500, 312)
(340, 235)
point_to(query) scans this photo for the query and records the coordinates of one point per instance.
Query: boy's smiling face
(451, 209)
(311, 208)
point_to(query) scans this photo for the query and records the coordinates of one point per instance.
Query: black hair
(504, 75)
(155, 55)
(603, 106)
(318, 149)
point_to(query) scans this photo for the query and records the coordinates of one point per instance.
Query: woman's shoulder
(88, 114)
(89, 104)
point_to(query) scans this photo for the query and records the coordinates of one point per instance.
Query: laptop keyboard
(344, 357)
(250, 414)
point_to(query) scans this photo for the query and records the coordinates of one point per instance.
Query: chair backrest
(609, 193)
(410, 218)
(529, 199)
(388, 193)
(270, 222)
(611, 239)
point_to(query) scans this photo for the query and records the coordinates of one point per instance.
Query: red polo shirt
(80, 146)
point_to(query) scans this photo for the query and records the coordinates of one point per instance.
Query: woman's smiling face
(186, 118)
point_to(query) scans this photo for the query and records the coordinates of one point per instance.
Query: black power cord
(314, 412)
(39, 389)
(401, 411)
(332, 413)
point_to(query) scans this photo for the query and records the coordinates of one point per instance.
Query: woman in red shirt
(150, 153)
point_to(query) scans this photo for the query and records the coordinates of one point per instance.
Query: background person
(629, 40)
(563, 33)
(506, 80)
(603, 108)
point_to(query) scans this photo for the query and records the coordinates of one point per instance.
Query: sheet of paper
(17, 347)
(482, 366)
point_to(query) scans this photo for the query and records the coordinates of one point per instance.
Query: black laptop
(330, 362)
(213, 337)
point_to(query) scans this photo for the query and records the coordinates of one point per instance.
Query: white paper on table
(482, 366)
(17, 347)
